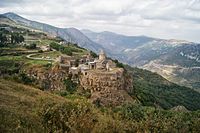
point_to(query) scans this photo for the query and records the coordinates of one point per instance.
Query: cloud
(159, 18)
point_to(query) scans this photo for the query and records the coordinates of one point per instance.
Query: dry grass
(19, 104)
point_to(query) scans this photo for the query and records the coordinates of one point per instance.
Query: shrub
(70, 86)
(94, 55)
(68, 117)
(25, 79)
(118, 64)
(31, 46)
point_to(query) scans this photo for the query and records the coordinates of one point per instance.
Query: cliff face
(108, 88)
(51, 79)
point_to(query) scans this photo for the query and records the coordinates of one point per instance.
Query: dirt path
(35, 58)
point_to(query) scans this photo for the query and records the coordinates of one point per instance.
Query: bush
(31, 46)
(70, 86)
(25, 79)
(40, 51)
(94, 55)
(68, 50)
(118, 64)
(133, 112)
(68, 117)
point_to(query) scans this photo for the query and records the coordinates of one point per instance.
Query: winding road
(36, 58)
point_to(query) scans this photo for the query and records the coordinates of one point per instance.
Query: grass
(27, 109)
(19, 104)
(14, 58)
(27, 63)
(37, 62)
(51, 54)
(44, 42)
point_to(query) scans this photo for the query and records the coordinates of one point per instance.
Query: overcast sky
(178, 19)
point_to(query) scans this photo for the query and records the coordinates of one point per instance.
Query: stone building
(100, 76)
(102, 62)
(102, 56)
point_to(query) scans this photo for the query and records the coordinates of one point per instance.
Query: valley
(175, 60)
(137, 51)
(58, 80)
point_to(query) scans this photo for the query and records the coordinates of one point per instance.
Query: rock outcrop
(51, 79)
(108, 88)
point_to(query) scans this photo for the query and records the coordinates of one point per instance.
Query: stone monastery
(99, 75)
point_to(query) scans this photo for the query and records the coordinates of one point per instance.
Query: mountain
(111, 40)
(149, 88)
(153, 90)
(5, 20)
(137, 50)
(29, 104)
(176, 60)
(69, 34)
(166, 57)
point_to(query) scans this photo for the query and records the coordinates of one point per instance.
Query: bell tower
(102, 55)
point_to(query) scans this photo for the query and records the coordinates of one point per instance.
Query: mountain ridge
(69, 34)
(137, 51)
(157, 55)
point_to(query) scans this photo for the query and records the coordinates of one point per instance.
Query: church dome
(102, 55)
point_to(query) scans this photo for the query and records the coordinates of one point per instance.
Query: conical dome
(102, 55)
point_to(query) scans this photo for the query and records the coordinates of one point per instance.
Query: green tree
(31, 46)
(16, 38)
(94, 55)
(70, 86)
(3, 40)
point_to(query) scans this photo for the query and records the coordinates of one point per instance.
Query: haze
(178, 19)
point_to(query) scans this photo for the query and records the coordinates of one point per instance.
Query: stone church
(102, 63)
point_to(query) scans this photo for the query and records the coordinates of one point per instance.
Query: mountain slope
(69, 34)
(27, 109)
(153, 90)
(19, 104)
(176, 60)
(137, 50)
(111, 40)
(181, 66)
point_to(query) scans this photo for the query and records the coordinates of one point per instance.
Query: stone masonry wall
(109, 88)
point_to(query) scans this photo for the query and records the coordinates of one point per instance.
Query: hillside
(38, 95)
(42, 65)
(153, 90)
(140, 51)
(180, 66)
(19, 105)
(69, 34)
(176, 60)
(28, 109)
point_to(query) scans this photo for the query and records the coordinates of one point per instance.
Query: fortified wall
(108, 88)
(96, 80)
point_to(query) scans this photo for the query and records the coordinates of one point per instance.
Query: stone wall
(97, 81)
(110, 88)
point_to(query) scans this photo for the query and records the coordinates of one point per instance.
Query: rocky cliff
(108, 88)
(48, 79)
